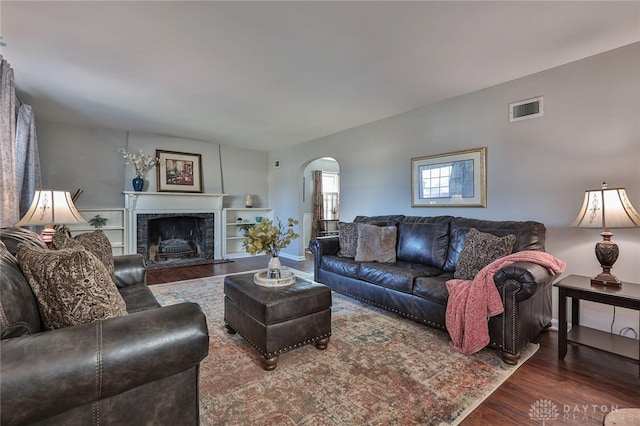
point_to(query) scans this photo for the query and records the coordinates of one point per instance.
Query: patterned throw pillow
(96, 242)
(348, 239)
(72, 286)
(479, 250)
(376, 243)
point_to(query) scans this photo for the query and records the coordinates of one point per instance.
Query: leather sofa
(417, 290)
(135, 369)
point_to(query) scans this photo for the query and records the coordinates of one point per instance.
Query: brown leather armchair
(141, 368)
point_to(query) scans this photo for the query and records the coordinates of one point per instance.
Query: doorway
(327, 224)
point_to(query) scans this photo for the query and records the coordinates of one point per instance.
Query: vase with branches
(270, 237)
(141, 163)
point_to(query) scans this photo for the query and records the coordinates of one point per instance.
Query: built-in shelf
(232, 232)
(114, 229)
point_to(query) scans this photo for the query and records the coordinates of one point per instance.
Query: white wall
(74, 157)
(537, 169)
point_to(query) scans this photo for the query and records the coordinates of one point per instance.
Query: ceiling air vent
(531, 108)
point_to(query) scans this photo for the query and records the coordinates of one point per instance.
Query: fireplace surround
(203, 210)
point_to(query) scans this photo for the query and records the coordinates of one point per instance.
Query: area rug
(379, 369)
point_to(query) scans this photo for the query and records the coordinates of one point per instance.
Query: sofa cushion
(347, 239)
(376, 243)
(340, 265)
(530, 235)
(423, 243)
(398, 276)
(433, 288)
(480, 249)
(72, 286)
(138, 297)
(96, 242)
(19, 314)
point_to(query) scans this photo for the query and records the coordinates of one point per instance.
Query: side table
(578, 288)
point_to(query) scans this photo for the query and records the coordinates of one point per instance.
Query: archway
(330, 169)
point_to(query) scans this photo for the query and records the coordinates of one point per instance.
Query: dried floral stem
(269, 238)
(141, 162)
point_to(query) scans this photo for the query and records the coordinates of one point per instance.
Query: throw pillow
(96, 242)
(72, 286)
(376, 243)
(479, 250)
(347, 239)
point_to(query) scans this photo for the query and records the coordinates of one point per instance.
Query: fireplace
(175, 236)
(174, 227)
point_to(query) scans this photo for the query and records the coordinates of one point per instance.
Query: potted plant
(98, 221)
(267, 237)
(244, 228)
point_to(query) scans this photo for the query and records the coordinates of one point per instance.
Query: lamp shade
(51, 207)
(607, 208)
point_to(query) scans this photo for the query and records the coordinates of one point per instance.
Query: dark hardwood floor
(580, 390)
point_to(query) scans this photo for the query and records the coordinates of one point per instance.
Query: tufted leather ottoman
(277, 319)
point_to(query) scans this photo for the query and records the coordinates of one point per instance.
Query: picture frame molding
(479, 199)
(163, 185)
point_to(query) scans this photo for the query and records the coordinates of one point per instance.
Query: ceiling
(267, 75)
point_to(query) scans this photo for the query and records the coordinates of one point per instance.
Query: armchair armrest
(522, 280)
(130, 269)
(51, 372)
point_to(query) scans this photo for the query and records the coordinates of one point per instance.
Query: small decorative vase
(274, 267)
(138, 183)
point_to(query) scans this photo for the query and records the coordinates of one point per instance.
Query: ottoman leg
(270, 364)
(230, 329)
(322, 343)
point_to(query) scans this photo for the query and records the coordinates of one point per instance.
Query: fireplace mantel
(136, 203)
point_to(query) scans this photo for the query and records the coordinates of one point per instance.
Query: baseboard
(292, 257)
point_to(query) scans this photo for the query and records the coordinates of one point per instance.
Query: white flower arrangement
(142, 163)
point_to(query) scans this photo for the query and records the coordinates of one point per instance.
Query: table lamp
(48, 208)
(606, 208)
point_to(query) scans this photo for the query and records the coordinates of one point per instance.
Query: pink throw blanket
(471, 302)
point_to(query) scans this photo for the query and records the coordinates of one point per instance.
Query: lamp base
(607, 254)
(607, 280)
(47, 235)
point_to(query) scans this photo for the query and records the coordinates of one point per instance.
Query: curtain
(318, 207)
(9, 197)
(28, 160)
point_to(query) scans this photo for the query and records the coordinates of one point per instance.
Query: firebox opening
(176, 237)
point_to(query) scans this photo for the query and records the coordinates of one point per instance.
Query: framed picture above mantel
(179, 171)
(452, 179)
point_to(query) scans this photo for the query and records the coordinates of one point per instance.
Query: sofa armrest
(522, 280)
(130, 269)
(51, 372)
(322, 246)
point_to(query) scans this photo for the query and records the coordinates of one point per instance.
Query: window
(331, 194)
